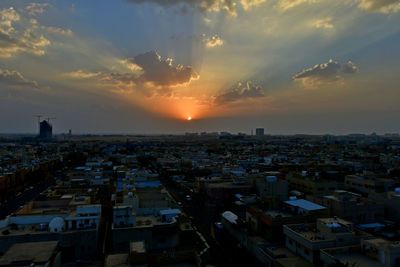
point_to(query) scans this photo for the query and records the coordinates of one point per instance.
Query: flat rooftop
(277, 214)
(357, 259)
(304, 204)
(32, 252)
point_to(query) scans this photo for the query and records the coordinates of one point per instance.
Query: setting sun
(189, 118)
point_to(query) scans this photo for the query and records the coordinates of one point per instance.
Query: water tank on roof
(130, 194)
(397, 190)
(57, 224)
(303, 173)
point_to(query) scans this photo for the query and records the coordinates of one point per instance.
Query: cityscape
(200, 199)
(199, 133)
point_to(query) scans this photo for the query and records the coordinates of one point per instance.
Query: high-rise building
(46, 130)
(259, 131)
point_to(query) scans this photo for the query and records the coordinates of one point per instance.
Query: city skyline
(152, 66)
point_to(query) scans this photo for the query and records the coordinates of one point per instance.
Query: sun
(189, 118)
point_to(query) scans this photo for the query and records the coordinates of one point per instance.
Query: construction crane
(38, 116)
(48, 119)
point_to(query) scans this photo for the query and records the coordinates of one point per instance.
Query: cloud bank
(200, 5)
(240, 92)
(146, 70)
(382, 6)
(161, 72)
(325, 73)
(14, 79)
(13, 42)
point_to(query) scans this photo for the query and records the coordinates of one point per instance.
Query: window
(306, 251)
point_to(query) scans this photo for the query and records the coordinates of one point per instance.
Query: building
(140, 255)
(367, 184)
(74, 226)
(46, 130)
(269, 223)
(306, 240)
(41, 254)
(259, 131)
(373, 252)
(272, 188)
(311, 185)
(352, 207)
(391, 201)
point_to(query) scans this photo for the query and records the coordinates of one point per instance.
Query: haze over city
(155, 66)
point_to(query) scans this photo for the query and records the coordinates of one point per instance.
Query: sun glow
(189, 118)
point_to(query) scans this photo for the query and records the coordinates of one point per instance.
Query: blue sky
(144, 66)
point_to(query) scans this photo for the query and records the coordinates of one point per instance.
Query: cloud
(161, 72)
(131, 66)
(325, 73)
(201, 5)
(382, 6)
(7, 17)
(240, 92)
(14, 79)
(144, 71)
(288, 4)
(325, 23)
(119, 81)
(12, 42)
(349, 68)
(56, 30)
(29, 42)
(213, 41)
(80, 74)
(247, 4)
(36, 8)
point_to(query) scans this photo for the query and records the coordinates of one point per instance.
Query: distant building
(260, 132)
(46, 130)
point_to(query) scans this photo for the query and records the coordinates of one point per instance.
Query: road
(14, 204)
(202, 220)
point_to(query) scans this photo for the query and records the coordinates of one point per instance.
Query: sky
(146, 66)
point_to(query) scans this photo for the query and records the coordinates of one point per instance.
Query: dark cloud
(247, 91)
(161, 72)
(349, 68)
(324, 70)
(201, 5)
(124, 79)
(14, 79)
(147, 70)
(383, 6)
(325, 73)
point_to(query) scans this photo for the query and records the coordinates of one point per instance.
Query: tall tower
(259, 131)
(46, 130)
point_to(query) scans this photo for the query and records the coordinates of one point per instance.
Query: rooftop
(304, 204)
(34, 252)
